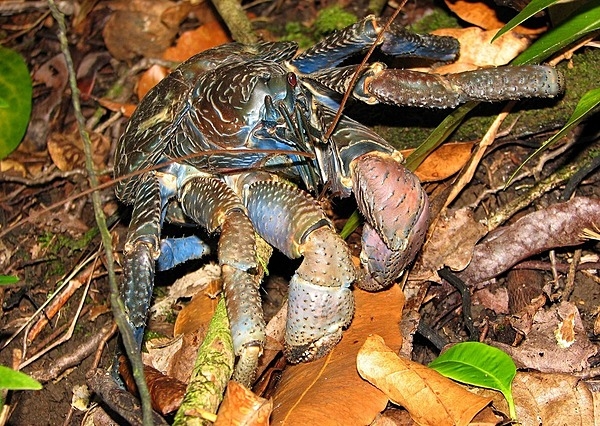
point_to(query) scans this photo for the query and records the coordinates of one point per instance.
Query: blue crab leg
(397, 41)
(320, 302)
(142, 247)
(212, 204)
(174, 251)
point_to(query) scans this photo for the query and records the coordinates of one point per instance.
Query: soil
(46, 250)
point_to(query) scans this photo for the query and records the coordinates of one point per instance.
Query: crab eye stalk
(292, 79)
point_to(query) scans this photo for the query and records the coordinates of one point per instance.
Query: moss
(328, 20)
(331, 19)
(438, 18)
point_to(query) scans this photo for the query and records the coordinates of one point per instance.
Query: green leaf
(531, 9)
(480, 365)
(15, 380)
(582, 22)
(8, 279)
(15, 100)
(352, 223)
(588, 102)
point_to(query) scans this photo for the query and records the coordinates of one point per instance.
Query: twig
(486, 141)
(41, 180)
(116, 301)
(571, 275)
(236, 20)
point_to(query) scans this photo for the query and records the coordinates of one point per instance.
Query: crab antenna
(362, 65)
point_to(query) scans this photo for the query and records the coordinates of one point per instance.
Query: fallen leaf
(451, 244)
(329, 391)
(540, 351)
(532, 234)
(142, 27)
(241, 407)
(429, 397)
(484, 15)
(442, 163)
(166, 392)
(210, 34)
(66, 150)
(124, 108)
(549, 399)
(149, 79)
(477, 50)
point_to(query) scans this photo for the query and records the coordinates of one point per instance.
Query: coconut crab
(222, 137)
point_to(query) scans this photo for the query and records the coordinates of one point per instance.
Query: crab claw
(396, 209)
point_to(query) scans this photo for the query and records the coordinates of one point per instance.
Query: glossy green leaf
(581, 23)
(351, 224)
(15, 380)
(15, 100)
(531, 9)
(480, 365)
(8, 279)
(586, 105)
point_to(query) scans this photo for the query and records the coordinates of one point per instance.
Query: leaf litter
(554, 329)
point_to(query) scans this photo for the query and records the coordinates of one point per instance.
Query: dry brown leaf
(125, 109)
(66, 150)
(429, 397)
(329, 391)
(540, 350)
(241, 407)
(451, 244)
(532, 234)
(142, 27)
(442, 163)
(484, 15)
(149, 79)
(477, 51)
(549, 400)
(166, 392)
(209, 35)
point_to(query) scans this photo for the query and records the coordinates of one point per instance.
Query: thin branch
(116, 301)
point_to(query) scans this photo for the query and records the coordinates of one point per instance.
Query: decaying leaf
(540, 350)
(66, 150)
(429, 397)
(451, 244)
(166, 392)
(142, 27)
(204, 37)
(477, 50)
(549, 399)
(442, 163)
(329, 391)
(241, 407)
(484, 15)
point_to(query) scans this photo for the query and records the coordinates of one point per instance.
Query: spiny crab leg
(320, 302)
(212, 204)
(404, 87)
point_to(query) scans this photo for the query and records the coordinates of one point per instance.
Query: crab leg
(397, 41)
(320, 301)
(142, 247)
(378, 84)
(212, 204)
